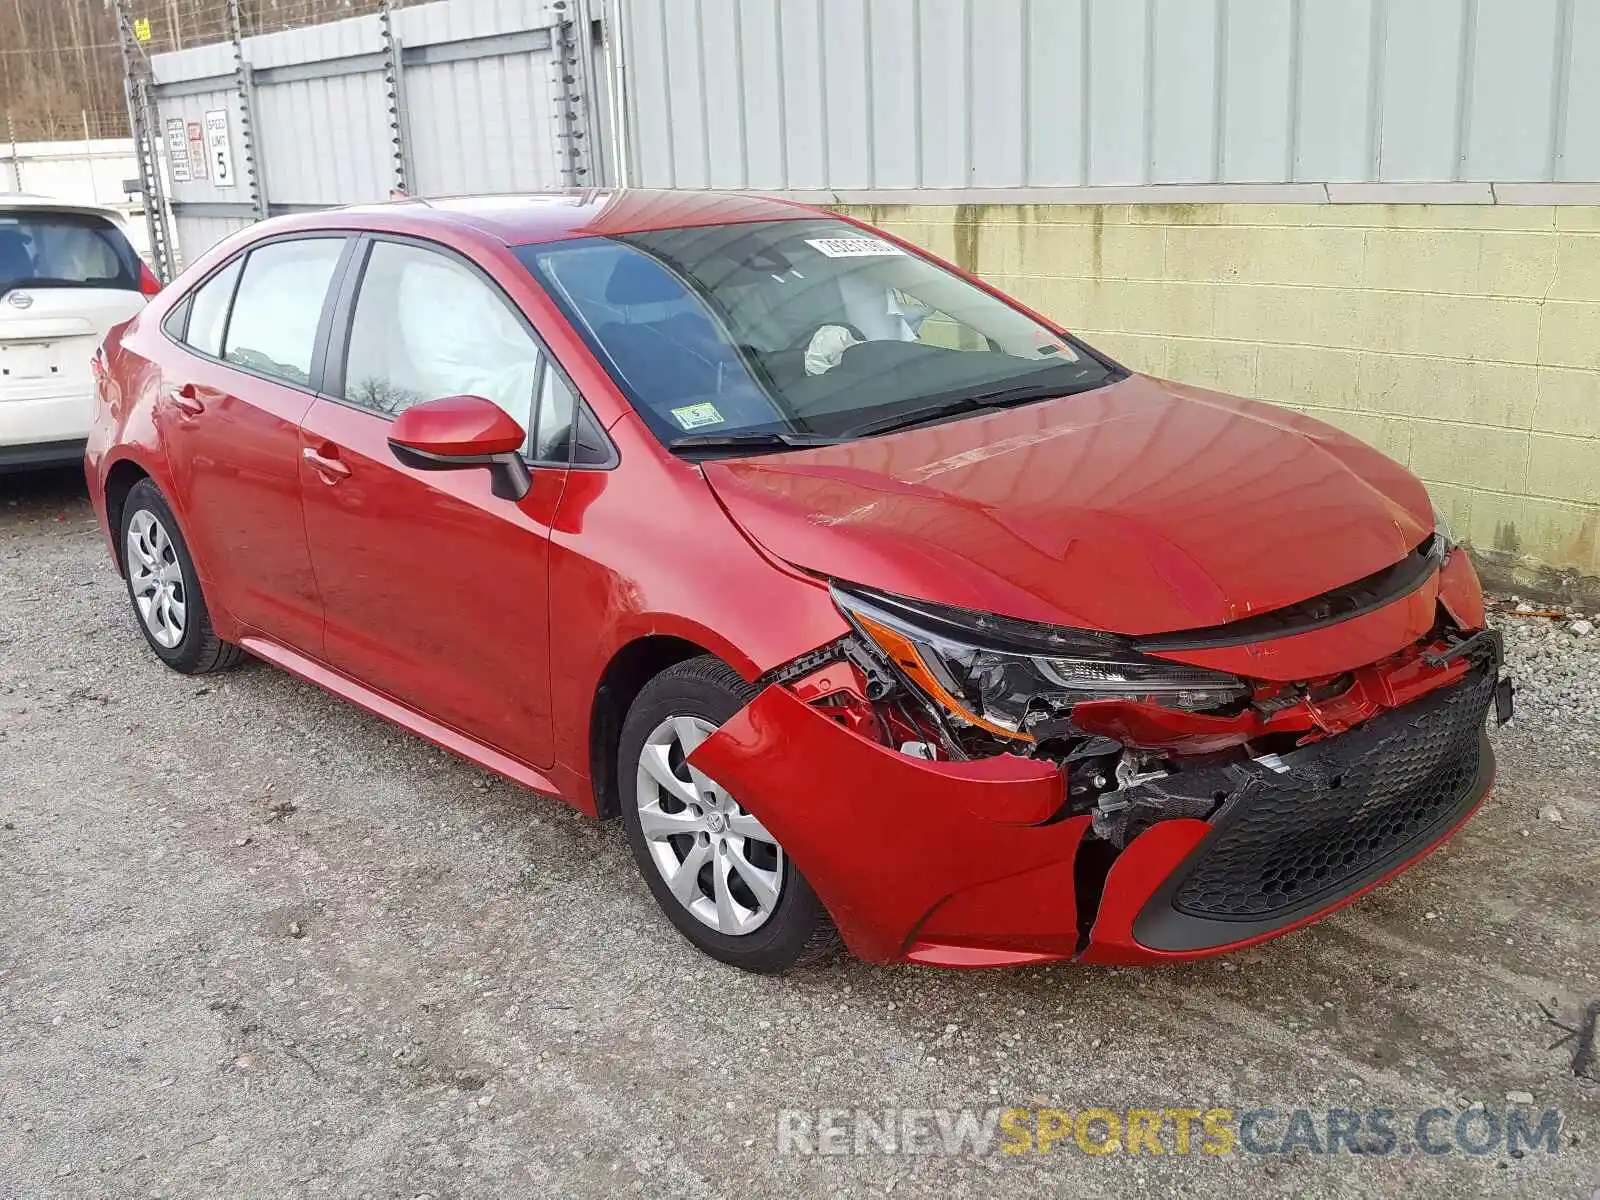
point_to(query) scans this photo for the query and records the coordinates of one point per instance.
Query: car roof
(526, 218)
(11, 201)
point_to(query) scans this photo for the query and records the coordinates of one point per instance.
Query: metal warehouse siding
(506, 146)
(478, 87)
(340, 146)
(484, 123)
(1013, 93)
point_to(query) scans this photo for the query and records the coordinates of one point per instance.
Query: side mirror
(453, 432)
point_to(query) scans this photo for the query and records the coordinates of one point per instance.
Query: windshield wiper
(966, 402)
(751, 441)
(916, 416)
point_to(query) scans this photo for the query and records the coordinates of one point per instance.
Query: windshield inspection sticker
(854, 247)
(693, 416)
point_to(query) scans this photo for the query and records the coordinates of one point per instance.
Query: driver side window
(426, 326)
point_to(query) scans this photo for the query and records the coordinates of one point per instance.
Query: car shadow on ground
(55, 485)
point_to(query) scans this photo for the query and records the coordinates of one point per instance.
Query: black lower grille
(1340, 809)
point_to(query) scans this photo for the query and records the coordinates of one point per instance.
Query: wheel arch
(121, 477)
(631, 667)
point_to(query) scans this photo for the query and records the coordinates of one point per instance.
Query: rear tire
(712, 867)
(164, 587)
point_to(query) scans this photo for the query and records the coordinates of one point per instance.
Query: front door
(434, 589)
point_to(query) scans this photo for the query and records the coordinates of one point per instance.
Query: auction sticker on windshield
(693, 416)
(854, 247)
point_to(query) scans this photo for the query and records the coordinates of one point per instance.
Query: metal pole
(141, 107)
(583, 60)
(16, 156)
(244, 83)
(395, 94)
(88, 156)
(615, 40)
(569, 90)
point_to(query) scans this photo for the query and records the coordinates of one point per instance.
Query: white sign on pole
(178, 151)
(219, 149)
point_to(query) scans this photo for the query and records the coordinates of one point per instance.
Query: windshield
(812, 327)
(64, 249)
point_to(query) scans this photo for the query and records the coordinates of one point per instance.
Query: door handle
(186, 399)
(330, 468)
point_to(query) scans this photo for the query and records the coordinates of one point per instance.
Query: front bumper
(965, 864)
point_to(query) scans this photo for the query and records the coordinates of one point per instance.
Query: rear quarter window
(208, 312)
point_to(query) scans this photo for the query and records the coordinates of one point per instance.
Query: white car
(67, 274)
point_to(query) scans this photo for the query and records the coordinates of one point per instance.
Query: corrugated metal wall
(855, 94)
(201, 81)
(479, 82)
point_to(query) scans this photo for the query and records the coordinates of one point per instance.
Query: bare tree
(59, 67)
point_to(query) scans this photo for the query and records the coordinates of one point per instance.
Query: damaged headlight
(1441, 527)
(1004, 675)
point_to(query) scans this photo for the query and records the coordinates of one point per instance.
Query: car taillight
(148, 283)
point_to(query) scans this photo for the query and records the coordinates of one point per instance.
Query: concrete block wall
(1463, 340)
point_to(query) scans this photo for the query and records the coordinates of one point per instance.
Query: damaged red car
(876, 606)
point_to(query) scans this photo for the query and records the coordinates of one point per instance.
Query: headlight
(1003, 675)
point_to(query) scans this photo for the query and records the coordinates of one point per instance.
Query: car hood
(1141, 507)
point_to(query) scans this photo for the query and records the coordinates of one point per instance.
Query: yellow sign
(141, 29)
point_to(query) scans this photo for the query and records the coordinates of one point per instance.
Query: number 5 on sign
(219, 149)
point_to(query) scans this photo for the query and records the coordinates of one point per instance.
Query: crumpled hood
(1139, 508)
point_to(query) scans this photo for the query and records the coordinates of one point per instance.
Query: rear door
(66, 277)
(252, 341)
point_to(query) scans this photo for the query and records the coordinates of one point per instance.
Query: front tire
(165, 588)
(717, 873)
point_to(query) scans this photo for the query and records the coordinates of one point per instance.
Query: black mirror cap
(509, 478)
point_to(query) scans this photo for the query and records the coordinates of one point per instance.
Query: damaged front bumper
(972, 864)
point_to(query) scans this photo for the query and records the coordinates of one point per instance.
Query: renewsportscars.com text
(1181, 1130)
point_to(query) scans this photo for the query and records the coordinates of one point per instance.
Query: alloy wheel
(155, 579)
(718, 861)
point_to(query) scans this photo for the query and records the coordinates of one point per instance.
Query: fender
(837, 801)
(140, 442)
(632, 626)
(151, 464)
(576, 674)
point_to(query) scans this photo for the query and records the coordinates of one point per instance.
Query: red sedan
(876, 605)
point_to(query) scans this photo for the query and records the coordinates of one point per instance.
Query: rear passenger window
(273, 326)
(208, 313)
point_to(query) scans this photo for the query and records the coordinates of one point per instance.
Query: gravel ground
(256, 943)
